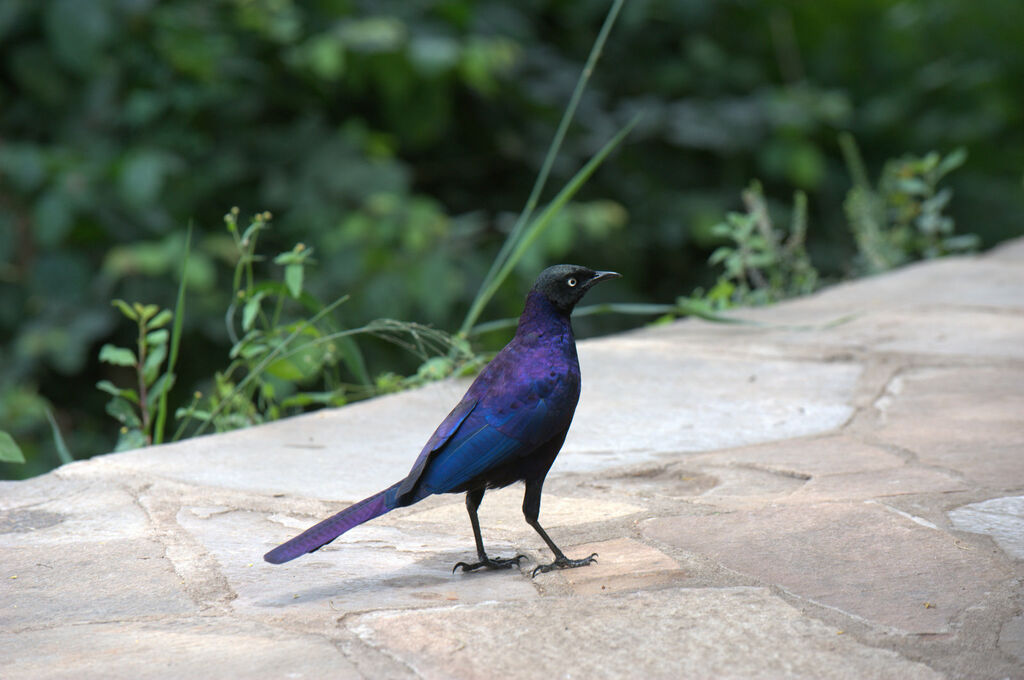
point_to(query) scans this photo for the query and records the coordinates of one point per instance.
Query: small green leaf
(125, 309)
(118, 356)
(10, 452)
(131, 438)
(251, 309)
(162, 385)
(113, 390)
(145, 312)
(159, 337)
(293, 278)
(198, 414)
(301, 359)
(161, 319)
(153, 362)
(296, 255)
(123, 412)
(951, 162)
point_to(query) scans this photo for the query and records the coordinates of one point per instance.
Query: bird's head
(566, 284)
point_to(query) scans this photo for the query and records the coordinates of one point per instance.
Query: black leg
(531, 511)
(473, 499)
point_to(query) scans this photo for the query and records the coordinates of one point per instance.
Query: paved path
(836, 493)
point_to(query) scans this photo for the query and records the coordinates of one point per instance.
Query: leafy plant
(903, 218)
(275, 353)
(136, 407)
(288, 351)
(762, 264)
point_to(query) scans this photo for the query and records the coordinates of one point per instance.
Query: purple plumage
(508, 427)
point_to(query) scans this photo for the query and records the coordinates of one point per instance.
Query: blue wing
(448, 427)
(486, 433)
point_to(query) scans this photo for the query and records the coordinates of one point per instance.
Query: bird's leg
(531, 510)
(473, 499)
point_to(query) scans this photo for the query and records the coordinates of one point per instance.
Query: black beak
(602, 276)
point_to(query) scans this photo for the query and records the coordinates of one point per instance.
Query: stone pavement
(837, 492)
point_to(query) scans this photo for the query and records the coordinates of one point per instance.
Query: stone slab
(1011, 638)
(1000, 518)
(969, 420)
(621, 564)
(805, 458)
(902, 481)
(644, 396)
(188, 648)
(670, 633)
(859, 558)
(88, 582)
(52, 509)
(372, 567)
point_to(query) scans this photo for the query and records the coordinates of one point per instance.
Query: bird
(508, 428)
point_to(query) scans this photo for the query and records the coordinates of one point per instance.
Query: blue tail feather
(326, 531)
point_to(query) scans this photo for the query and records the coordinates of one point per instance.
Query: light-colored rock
(371, 567)
(185, 648)
(854, 557)
(969, 420)
(783, 499)
(1000, 518)
(1011, 638)
(806, 458)
(621, 564)
(71, 583)
(676, 633)
(901, 481)
(52, 510)
(671, 401)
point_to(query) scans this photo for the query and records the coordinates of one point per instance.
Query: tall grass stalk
(509, 253)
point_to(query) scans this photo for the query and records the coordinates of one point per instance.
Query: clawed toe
(490, 563)
(563, 562)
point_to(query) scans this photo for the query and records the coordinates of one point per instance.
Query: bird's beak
(602, 276)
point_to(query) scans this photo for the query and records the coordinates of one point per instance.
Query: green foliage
(136, 407)
(761, 264)
(902, 220)
(10, 452)
(399, 138)
(288, 352)
(275, 350)
(904, 217)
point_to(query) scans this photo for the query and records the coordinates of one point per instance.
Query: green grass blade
(172, 358)
(58, 439)
(537, 227)
(538, 186)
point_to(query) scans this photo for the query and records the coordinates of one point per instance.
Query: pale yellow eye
(571, 281)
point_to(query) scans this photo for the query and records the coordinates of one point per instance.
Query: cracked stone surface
(836, 491)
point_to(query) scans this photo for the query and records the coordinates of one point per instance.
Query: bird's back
(520, 404)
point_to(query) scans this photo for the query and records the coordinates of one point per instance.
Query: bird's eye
(571, 281)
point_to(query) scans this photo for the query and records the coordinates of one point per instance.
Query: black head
(566, 284)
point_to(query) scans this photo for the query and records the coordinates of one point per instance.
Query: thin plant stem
(498, 265)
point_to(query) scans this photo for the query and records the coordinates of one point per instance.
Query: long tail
(323, 533)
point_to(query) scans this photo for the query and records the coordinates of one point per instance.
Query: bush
(398, 140)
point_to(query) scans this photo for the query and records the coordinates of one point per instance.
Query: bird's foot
(563, 562)
(490, 563)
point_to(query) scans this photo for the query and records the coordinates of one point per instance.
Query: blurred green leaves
(10, 452)
(400, 139)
